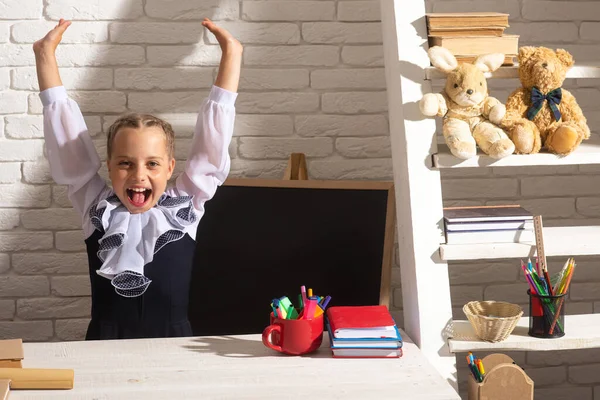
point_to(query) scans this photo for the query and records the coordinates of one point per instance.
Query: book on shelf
(367, 353)
(471, 46)
(466, 19)
(486, 214)
(495, 236)
(361, 322)
(509, 59)
(473, 31)
(489, 226)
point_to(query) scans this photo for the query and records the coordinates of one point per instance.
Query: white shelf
(578, 71)
(581, 332)
(558, 241)
(588, 152)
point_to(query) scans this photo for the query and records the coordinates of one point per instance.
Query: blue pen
(325, 302)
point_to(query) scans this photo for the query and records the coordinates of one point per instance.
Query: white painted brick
(543, 32)
(257, 33)
(79, 32)
(288, 10)
(107, 9)
(589, 31)
(579, 307)
(449, 173)
(18, 241)
(53, 308)
(373, 147)
(21, 150)
(483, 272)
(292, 55)
(29, 331)
(10, 172)
(71, 329)
(182, 151)
(280, 148)
(358, 11)
(193, 9)
(24, 127)
(581, 52)
(587, 270)
(4, 78)
(156, 32)
(584, 374)
(585, 98)
(397, 297)
(504, 6)
(368, 56)
(69, 241)
(4, 262)
(16, 55)
(461, 295)
(377, 169)
(13, 102)
(277, 102)
(183, 55)
(4, 32)
(516, 293)
(562, 207)
(588, 206)
(1, 127)
(584, 291)
(68, 286)
(555, 358)
(72, 78)
(354, 102)
(37, 172)
(548, 376)
(50, 263)
(9, 219)
(183, 124)
(372, 78)
(257, 169)
(52, 218)
(559, 185)
(341, 125)
(462, 203)
(561, 10)
(7, 309)
(60, 196)
(102, 101)
(263, 125)
(25, 286)
(273, 79)
(163, 78)
(474, 188)
(342, 32)
(166, 102)
(15, 9)
(24, 196)
(98, 55)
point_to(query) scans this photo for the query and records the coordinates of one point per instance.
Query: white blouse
(129, 241)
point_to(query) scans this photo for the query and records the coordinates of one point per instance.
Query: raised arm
(71, 154)
(208, 163)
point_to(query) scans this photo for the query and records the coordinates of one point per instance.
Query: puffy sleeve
(208, 162)
(71, 154)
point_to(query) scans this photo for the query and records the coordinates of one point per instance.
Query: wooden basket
(493, 321)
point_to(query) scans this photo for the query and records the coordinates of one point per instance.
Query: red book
(361, 322)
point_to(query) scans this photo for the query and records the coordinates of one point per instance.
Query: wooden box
(503, 380)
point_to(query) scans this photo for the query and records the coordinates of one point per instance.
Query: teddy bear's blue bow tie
(537, 102)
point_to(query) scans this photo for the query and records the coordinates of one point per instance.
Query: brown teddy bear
(541, 113)
(471, 117)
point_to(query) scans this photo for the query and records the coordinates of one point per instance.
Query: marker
(310, 293)
(274, 311)
(303, 293)
(325, 302)
(300, 303)
(480, 365)
(309, 310)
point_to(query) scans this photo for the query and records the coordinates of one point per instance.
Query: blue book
(366, 343)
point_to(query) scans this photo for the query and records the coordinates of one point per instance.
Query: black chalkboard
(262, 239)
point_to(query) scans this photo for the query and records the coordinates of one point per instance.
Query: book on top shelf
(509, 59)
(496, 236)
(367, 353)
(476, 45)
(361, 322)
(467, 19)
(488, 226)
(486, 213)
(474, 31)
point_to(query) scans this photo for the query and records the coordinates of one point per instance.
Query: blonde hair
(135, 120)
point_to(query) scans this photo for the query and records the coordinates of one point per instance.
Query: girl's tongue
(138, 198)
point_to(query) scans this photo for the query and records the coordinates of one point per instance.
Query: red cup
(294, 336)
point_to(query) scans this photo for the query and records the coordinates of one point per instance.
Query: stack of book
(363, 332)
(471, 34)
(488, 224)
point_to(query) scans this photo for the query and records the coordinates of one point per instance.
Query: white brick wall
(313, 81)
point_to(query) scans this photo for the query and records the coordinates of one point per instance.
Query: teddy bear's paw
(502, 148)
(497, 114)
(563, 140)
(463, 150)
(525, 141)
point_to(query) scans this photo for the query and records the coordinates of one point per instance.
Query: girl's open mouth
(138, 196)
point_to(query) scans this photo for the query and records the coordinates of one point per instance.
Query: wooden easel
(296, 169)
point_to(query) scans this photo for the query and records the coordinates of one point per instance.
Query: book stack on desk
(471, 34)
(363, 332)
(488, 224)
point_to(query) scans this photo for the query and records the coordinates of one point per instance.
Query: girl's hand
(227, 42)
(49, 42)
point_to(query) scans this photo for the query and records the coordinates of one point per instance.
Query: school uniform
(140, 265)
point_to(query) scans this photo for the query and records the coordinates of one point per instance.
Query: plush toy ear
(442, 59)
(489, 62)
(524, 53)
(565, 57)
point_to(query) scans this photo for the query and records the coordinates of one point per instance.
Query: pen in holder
(546, 315)
(503, 380)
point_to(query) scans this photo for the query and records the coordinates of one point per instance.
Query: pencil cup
(503, 380)
(546, 315)
(294, 336)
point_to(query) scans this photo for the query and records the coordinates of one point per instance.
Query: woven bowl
(493, 321)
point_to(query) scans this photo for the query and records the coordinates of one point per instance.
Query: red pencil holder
(546, 315)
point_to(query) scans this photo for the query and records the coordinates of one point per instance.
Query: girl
(140, 235)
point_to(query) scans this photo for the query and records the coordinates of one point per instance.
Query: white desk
(228, 367)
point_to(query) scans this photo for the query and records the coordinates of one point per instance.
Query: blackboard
(263, 239)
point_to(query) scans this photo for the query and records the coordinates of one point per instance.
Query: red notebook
(361, 322)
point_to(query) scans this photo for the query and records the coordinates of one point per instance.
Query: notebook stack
(488, 224)
(471, 34)
(363, 332)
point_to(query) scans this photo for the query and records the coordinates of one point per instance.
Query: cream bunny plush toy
(471, 117)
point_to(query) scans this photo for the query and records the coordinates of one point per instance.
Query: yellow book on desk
(475, 45)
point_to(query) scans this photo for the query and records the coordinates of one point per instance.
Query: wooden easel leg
(296, 169)
(4, 389)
